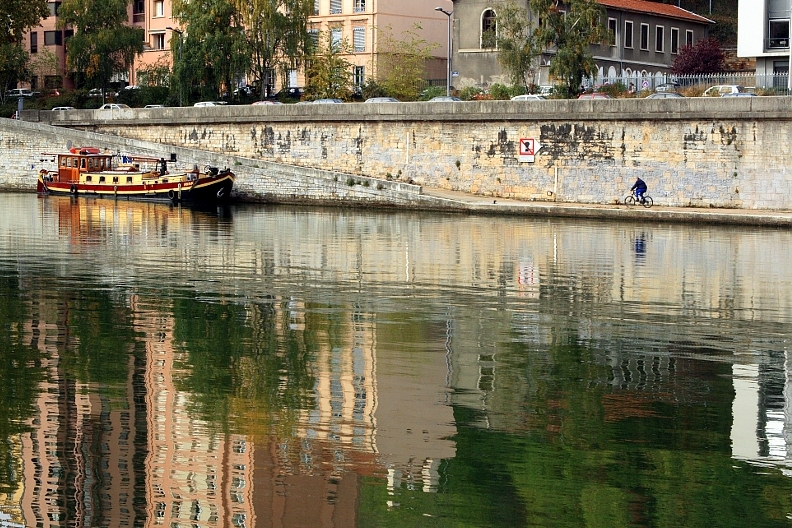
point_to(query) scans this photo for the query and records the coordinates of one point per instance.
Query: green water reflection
(289, 367)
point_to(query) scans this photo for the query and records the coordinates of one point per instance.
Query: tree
(16, 17)
(401, 65)
(45, 64)
(276, 37)
(705, 57)
(329, 73)
(517, 49)
(570, 33)
(103, 44)
(213, 53)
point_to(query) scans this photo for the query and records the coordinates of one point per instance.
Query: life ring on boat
(220, 193)
(73, 189)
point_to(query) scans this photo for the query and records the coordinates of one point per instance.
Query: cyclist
(639, 187)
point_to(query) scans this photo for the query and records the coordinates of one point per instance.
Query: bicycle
(633, 199)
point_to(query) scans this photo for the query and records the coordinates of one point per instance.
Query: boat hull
(204, 189)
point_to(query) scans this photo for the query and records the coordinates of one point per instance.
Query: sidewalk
(460, 201)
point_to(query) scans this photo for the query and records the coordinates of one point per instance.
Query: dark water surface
(283, 367)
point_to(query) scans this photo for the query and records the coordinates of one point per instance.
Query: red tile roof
(654, 8)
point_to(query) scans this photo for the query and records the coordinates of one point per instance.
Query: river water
(285, 367)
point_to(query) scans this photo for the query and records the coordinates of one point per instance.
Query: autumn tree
(213, 52)
(104, 44)
(329, 73)
(705, 57)
(570, 33)
(16, 17)
(401, 62)
(518, 50)
(276, 37)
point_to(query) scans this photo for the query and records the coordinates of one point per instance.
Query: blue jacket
(639, 186)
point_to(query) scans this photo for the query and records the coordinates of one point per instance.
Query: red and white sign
(528, 149)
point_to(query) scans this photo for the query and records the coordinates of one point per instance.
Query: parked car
(594, 95)
(382, 100)
(328, 101)
(113, 106)
(62, 108)
(719, 90)
(266, 103)
(292, 92)
(209, 103)
(444, 99)
(667, 87)
(529, 97)
(740, 94)
(154, 106)
(546, 90)
(665, 95)
(97, 92)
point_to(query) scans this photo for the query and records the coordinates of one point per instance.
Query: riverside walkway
(460, 201)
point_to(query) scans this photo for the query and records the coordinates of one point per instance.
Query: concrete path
(460, 201)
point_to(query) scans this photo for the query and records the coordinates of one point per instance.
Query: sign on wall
(528, 149)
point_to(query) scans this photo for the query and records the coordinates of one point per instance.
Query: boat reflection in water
(299, 367)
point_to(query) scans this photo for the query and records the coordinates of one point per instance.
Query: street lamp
(448, 57)
(180, 33)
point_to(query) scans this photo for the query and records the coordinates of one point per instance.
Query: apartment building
(763, 34)
(645, 39)
(356, 21)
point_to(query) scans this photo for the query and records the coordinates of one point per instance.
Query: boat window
(101, 179)
(63, 162)
(115, 179)
(68, 162)
(164, 180)
(129, 179)
(88, 178)
(82, 163)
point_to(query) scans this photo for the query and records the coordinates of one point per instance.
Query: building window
(689, 38)
(316, 7)
(488, 30)
(159, 8)
(778, 31)
(645, 37)
(335, 7)
(336, 34)
(628, 34)
(139, 11)
(53, 38)
(359, 77)
(33, 42)
(359, 39)
(612, 31)
(313, 34)
(54, 7)
(674, 40)
(659, 38)
(360, 6)
(158, 41)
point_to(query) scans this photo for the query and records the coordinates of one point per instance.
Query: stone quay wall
(24, 145)
(716, 152)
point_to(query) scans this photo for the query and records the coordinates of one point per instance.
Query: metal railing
(770, 84)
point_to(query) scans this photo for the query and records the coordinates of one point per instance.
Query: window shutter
(359, 37)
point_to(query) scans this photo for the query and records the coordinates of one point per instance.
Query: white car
(529, 97)
(721, 89)
(62, 108)
(113, 106)
(382, 100)
(154, 106)
(209, 103)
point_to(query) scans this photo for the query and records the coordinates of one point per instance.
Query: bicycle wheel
(648, 202)
(629, 200)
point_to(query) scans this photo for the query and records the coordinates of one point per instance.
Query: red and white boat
(89, 172)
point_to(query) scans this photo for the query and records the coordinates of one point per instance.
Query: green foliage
(473, 93)
(432, 91)
(401, 65)
(144, 95)
(213, 48)
(372, 88)
(570, 32)
(614, 90)
(518, 50)
(276, 36)
(103, 43)
(16, 17)
(329, 73)
(503, 92)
